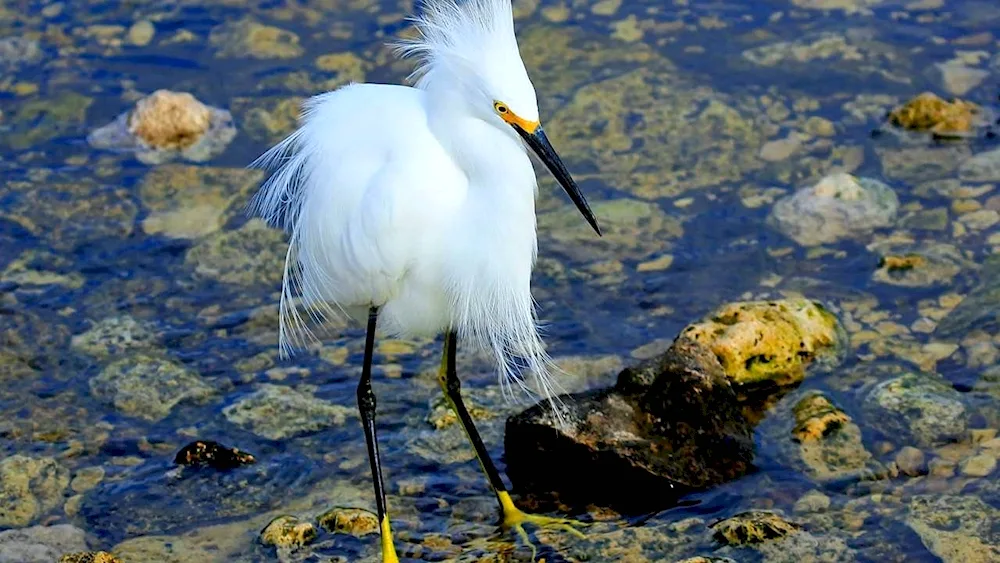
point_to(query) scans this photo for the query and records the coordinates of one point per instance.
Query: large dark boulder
(670, 425)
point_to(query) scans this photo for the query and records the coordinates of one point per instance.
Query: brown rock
(212, 454)
(928, 112)
(670, 425)
(287, 532)
(754, 527)
(169, 120)
(353, 521)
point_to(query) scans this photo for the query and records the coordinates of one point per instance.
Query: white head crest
(471, 43)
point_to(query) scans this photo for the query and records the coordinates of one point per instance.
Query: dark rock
(670, 425)
(212, 454)
(89, 557)
(979, 310)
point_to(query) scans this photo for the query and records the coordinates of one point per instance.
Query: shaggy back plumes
(464, 36)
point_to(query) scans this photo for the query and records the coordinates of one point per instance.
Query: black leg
(366, 406)
(452, 387)
(510, 515)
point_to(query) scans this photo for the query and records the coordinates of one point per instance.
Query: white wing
(353, 187)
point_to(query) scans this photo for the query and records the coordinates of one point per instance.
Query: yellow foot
(514, 517)
(388, 550)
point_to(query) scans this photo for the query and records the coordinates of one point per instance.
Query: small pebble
(941, 467)
(141, 33)
(287, 532)
(813, 501)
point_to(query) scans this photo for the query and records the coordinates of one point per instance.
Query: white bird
(414, 208)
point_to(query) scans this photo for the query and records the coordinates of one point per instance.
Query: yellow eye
(501, 108)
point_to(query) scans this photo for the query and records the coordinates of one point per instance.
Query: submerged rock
(983, 167)
(980, 310)
(670, 425)
(29, 488)
(253, 255)
(958, 529)
(917, 265)
(769, 342)
(116, 335)
(40, 544)
(148, 387)
(16, 51)
(921, 407)
(193, 201)
(166, 124)
(839, 206)
(212, 454)
(277, 412)
(248, 38)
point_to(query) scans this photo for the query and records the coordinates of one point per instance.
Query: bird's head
(472, 45)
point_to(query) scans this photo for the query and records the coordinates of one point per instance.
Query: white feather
(417, 200)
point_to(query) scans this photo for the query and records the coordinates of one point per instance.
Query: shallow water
(671, 105)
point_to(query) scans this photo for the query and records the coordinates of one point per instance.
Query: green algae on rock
(148, 387)
(40, 544)
(278, 412)
(268, 119)
(956, 528)
(253, 255)
(36, 266)
(839, 206)
(116, 335)
(769, 342)
(248, 38)
(29, 488)
(288, 532)
(193, 201)
(920, 407)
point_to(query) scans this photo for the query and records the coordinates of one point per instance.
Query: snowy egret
(414, 208)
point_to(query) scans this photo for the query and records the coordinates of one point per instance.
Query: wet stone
(769, 342)
(29, 488)
(630, 228)
(352, 521)
(958, 529)
(38, 120)
(148, 387)
(212, 454)
(278, 412)
(910, 461)
(116, 335)
(253, 255)
(40, 544)
(193, 201)
(917, 164)
(979, 465)
(921, 407)
(89, 557)
(671, 424)
(840, 206)
(753, 527)
(288, 532)
(18, 51)
(165, 125)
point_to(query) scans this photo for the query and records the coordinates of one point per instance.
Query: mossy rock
(769, 342)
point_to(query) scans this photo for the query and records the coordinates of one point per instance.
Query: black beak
(543, 148)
